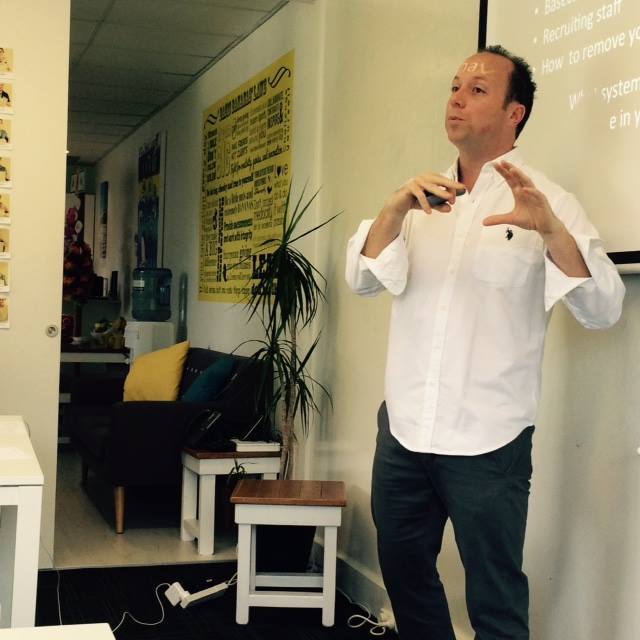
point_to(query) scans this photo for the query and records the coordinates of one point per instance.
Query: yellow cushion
(156, 375)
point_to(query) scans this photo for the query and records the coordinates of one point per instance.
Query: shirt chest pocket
(507, 263)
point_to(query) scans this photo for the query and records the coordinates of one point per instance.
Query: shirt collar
(488, 171)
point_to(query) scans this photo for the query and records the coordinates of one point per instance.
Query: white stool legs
(248, 580)
(246, 536)
(329, 583)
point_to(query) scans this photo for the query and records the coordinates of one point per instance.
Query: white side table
(21, 483)
(199, 471)
(100, 631)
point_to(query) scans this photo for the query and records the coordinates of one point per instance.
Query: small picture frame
(5, 243)
(5, 172)
(6, 97)
(6, 62)
(5, 208)
(4, 312)
(4, 277)
(6, 135)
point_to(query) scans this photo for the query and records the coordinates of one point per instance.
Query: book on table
(255, 445)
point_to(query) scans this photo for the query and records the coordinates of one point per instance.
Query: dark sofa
(138, 444)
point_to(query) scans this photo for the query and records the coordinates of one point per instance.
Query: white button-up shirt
(470, 311)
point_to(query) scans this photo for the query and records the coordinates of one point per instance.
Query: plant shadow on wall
(287, 291)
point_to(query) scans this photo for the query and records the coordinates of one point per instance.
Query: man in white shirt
(473, 288)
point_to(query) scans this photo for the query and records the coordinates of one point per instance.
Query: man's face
(476, 117)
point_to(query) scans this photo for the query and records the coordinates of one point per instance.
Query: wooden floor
(84, 538)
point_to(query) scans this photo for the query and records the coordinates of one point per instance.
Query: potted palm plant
(286, 294)
(287, 297)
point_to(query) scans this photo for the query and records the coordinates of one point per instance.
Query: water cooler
(150, 308)
(143, 337)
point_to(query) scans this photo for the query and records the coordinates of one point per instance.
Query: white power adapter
(386, 619)
(175, 593)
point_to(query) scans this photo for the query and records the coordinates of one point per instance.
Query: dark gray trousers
(486, 497)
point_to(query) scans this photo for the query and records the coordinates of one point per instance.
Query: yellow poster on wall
(246, 165)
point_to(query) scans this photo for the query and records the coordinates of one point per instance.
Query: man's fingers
(502, 218)
(524, 179)
(426, 184)
(509, 177)
(439, 181)
(419, 195)
(513, 175)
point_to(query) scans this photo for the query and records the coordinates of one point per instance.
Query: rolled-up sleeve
(595, 302)
(369, 276)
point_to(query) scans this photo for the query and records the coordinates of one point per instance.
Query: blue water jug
(151, 294)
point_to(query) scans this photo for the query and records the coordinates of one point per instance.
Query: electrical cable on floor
(231, 581)
(146, 624)
(357, 620)
(58, 597)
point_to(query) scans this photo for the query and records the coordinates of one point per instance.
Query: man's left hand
(531, 209)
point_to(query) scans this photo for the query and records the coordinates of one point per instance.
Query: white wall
(380, 69)
(38, 31)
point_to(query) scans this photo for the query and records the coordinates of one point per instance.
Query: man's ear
(516, 113)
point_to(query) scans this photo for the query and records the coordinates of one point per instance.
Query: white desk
(198, 502)
(66, 632)
(21, 483)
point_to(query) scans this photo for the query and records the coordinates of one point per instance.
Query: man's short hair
(521, 87)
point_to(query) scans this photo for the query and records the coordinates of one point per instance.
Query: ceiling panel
(105, 91)
(91, 128)
(110, 106)
(142, 78)
(199, 18)
(82, 30)
(89, 9)
(159, 40)
(258, 5)
(92, 117)
(101, 138)
(149, 61)
(75, 51)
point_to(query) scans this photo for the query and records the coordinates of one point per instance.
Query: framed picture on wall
(6, 137)
(5, 171)
(5, 243)
(6, 62)
(6, 97)
(151, 172)
(5, 208)
(4, 312)
(4, 276)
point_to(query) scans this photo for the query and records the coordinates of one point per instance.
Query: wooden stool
(287, 502)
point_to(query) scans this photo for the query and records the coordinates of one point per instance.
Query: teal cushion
(210, 382)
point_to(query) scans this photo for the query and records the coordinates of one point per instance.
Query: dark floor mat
(102, 595)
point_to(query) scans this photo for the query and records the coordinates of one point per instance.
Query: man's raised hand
(531, 208)
(413, 193)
